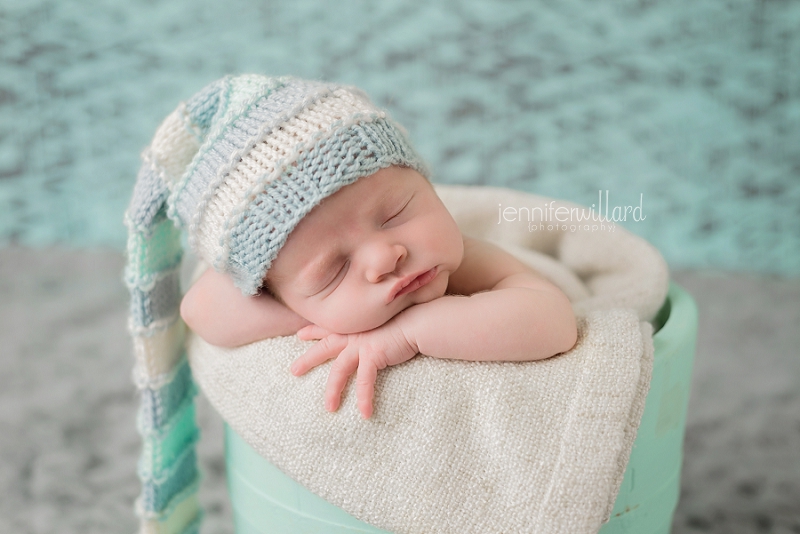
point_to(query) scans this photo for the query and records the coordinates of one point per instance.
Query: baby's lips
(412, 283)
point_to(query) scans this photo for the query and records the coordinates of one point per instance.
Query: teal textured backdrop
(692, 107)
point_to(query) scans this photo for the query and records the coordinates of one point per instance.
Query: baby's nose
(385, 259)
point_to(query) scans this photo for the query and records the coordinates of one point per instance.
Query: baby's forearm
(510, 324)
(218, 312)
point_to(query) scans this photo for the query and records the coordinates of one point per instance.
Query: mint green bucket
(267, 501)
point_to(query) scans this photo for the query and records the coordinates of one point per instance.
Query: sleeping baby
(379, 272)
(356, 250)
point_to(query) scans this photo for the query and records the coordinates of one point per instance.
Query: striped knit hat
(237, 166)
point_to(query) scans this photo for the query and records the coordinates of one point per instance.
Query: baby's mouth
(407, 286)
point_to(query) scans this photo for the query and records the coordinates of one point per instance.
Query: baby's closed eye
(396, 215)
(338, 273)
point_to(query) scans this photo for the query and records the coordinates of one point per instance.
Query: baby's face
(367, 252)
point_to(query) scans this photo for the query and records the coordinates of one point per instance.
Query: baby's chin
(355, 326)
(370, 320)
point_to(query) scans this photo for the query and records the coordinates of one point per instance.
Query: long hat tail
(167, 467)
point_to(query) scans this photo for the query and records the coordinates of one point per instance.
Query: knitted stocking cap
(237, 166)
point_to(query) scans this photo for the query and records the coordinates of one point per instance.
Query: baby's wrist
(406, 323)
(416, 321)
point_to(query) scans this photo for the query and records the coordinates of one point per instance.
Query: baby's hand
(365, 353)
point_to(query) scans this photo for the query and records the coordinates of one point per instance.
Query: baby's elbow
(570, 334)
(189, 310)
(567, 327)
(194, 314)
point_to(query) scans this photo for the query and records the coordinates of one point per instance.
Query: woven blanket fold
(504, 447)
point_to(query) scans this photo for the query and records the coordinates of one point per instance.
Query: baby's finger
(320, 353)
(341, 369)
(312, 331)
(365, 386)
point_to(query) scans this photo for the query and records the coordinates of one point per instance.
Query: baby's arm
(219, 313)
(511, 313)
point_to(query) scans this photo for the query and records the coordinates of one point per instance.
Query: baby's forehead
(365, 200)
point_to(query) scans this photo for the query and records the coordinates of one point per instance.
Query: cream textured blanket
(465, 447)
